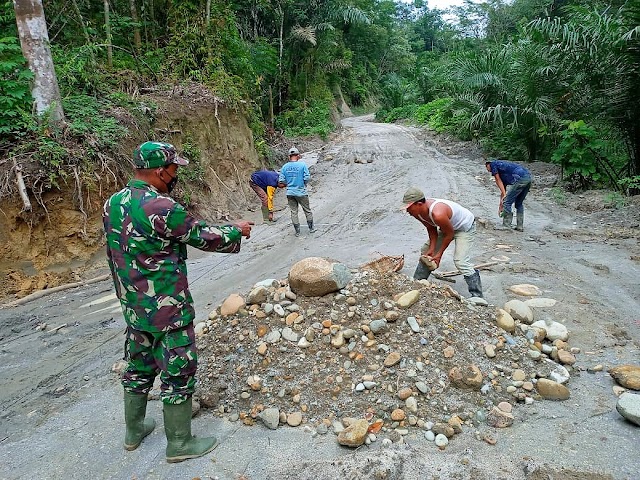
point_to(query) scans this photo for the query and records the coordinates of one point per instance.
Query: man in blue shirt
(265, 183)
(514, 182)
(294, 175)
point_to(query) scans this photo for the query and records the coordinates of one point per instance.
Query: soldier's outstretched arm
(180, 225)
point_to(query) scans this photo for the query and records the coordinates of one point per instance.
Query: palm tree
(601, 49)
(511, 87)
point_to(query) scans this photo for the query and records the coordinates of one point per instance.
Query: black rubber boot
(475, 288)
(520, 221)
(296, 227)
(135, 409)
(181, 445)
(422, 272)
(311, 229)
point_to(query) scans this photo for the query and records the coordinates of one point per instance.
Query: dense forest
(531, 80)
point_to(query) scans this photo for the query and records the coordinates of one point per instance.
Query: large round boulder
(317, 276)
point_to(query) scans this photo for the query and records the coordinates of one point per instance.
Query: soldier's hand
(245, 228)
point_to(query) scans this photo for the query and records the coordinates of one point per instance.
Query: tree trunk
(137, 41)
(34, 40)
(280, 54)
(270, 107)
(207, 18)
(107, 29)
(85, 32)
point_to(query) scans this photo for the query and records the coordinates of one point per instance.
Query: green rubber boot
(507, 218)
(519, 221)
(181, 445)
(265, 214)
(135, 409)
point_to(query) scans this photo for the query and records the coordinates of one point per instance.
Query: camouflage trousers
(172, 354)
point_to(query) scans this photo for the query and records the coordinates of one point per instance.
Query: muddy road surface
(62, 406)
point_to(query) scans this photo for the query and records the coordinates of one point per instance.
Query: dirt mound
(359, 354)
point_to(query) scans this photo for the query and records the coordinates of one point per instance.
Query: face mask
(172, 183)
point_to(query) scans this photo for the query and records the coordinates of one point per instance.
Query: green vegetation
(15, 93)
(528, 79)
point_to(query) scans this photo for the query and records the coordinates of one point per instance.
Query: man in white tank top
(446, 221)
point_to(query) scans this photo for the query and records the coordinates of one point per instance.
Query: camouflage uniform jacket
(147, 236)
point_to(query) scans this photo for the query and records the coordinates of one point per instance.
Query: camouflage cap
(156, 154)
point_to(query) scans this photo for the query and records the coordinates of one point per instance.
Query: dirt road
(62, 418)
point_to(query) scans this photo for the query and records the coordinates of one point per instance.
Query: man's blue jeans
(516, 194)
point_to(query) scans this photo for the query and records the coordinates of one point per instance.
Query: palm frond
(304, 34)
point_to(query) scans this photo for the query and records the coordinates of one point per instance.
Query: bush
(15, 92)
(400, 113)
(437, 114)
(307, 118)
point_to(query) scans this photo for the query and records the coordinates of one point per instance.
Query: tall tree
(34, 40)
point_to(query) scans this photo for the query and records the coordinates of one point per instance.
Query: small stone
(413, 324)
(262, 348)
(430, 436)
(441, 440)
(294, 419)
(412, 404)
(443, 429)
(552, 390)
(626, 375)
(498, 418)
(540, 302)
(595, 368)
(618, 390)
(404, 393)
(466, 377)
(505, 407)
(391, 316)
(231, 305)
(423, 387)
(555, 330)
(392, 359)
(449, 352)
(505, 321)
(398, 415)
(566, 358)
(519, 311)
(377, 326)
(490, 351)
(518, 375)
(257, 295)
(355, 434)
(628, 406)
(270, 417)
(408, 299)
(525, 289)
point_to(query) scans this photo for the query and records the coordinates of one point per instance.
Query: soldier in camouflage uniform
(147, 234)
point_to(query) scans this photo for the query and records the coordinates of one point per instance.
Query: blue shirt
(265, 178)
(510, 173)
(295, 175)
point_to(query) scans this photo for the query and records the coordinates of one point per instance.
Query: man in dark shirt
(514, 182)
(147, 234)
(265, 183)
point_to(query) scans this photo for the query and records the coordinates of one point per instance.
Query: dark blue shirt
(510, 173)
(265, 178)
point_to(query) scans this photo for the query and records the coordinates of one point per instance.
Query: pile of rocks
(381, 356)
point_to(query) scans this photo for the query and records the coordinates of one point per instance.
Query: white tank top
(461, 218)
